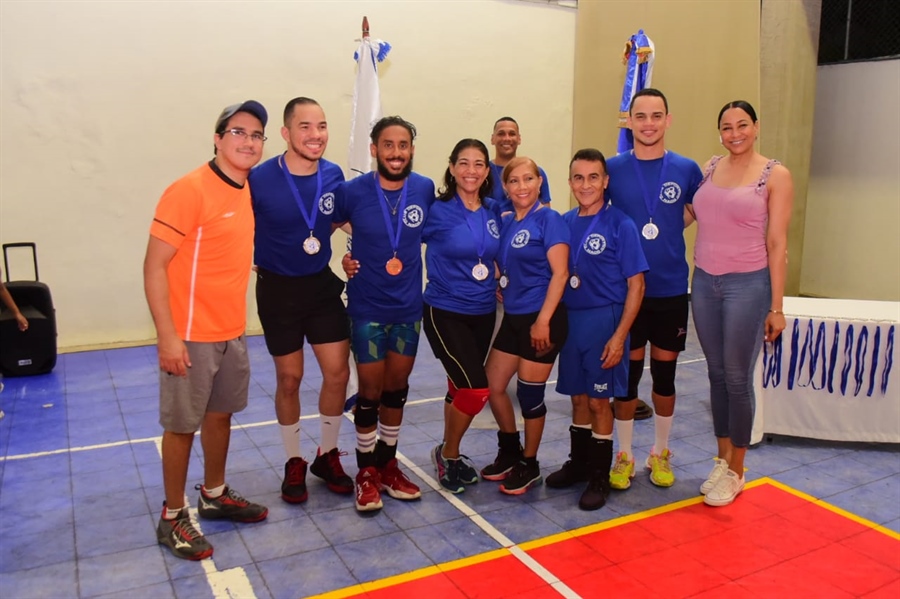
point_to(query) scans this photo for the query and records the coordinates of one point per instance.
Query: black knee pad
(366, 413)
(394, 399)
(635, 372)
(663, 373)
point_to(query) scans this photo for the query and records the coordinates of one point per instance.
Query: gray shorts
(217, 381)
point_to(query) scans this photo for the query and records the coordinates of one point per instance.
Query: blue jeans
(729, 314)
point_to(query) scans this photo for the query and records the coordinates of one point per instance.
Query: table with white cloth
(831, 374)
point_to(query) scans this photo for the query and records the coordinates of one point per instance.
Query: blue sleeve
(341, 209)
(555, 230)
(545, 187)
(695, 177)
(631, 254)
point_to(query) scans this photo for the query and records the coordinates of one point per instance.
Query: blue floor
(81, 486)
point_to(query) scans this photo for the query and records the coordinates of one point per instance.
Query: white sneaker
(720, 468)
(726, 489)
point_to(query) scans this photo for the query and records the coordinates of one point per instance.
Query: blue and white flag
(366, 102)
(638, 58)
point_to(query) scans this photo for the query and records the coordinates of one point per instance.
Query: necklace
(393, 207)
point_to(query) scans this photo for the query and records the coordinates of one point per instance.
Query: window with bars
(854, 30)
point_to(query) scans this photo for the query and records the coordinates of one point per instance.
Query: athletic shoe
(468, 475)
(521, 478)
(719, 470)
(622, 472)
(597, 491)
(368, 497)
(570, 474)
(447, 470)
(661, 473)
(726, 489)
(182, 538)
(328, 467)
(396, 484)
(229, 506)
(293, 487)
(500, 468)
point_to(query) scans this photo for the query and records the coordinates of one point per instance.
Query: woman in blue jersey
(533, 260)
(462, 240)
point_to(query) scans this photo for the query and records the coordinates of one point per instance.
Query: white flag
(366, 103)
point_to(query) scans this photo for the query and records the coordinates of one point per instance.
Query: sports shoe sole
(721, 502)
(401, 495)
(333, 487)
(664, 485)
(498, 476)
(295, 500)
(370, 507)
(522, 490)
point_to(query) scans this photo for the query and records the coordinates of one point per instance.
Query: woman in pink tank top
(742, 208)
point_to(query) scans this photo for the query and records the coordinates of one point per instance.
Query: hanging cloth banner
(638, 59)
(366, 100)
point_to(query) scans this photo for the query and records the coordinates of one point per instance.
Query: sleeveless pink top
(731, 224)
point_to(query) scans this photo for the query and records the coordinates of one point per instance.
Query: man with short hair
(506, 140)
(652, 186)
(297, 294)
(386, 209)
(196, 272)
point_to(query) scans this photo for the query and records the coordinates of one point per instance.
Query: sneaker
(328, 467)
(622, 472)
(368, 497)
(570, 474)
(468, 475)
(661, 473)
(521, 478)
(719, 470)
(182, 537)
(726, 489)
(500, 468)
(396, 483)
(293, 487)
(447, 470)
(229, 506)
(595, 495)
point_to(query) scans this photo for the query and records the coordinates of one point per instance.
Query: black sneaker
(521, 477)
(508, 455)
(293, 487)
(328, 467)
(468, 475)
(570, 474)
(596, 493)
(229, 506)
(182, 538)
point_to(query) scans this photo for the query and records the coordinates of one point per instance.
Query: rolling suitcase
(32, 351)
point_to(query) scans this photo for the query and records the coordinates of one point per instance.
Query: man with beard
(297, 294)
(506, 141)
(386, 210)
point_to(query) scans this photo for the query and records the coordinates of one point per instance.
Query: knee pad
(451, 392)
(470, 401)
(366, 413)
(394, 399)
(531, 398)
(663, 373)
(635, 372)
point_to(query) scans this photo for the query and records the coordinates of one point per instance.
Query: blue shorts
(579, 361)
(371, 341)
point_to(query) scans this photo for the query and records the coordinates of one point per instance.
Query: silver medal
(311, 245)
(504, 281)
(650, 231)
(480, 272)
(574, 282)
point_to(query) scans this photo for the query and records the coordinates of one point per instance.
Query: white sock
(330, 427)
(214, 492)
(625, 432)
(388, 433)
(662, 426)
(602, 437)
(290, 438)
(584, 426)
(365, 442)
(172, 514)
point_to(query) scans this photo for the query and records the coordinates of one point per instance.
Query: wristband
(776, 312)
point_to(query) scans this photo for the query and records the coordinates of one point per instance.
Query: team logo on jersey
(326, 203)
(670, 192)
(413, 216)
(595, 244)
(520, 239)
(493, 229)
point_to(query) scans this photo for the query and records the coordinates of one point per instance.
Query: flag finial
(365, 27)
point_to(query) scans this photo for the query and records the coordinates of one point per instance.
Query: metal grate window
(853, 30)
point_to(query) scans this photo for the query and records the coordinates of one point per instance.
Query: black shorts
(291, 308)
(514, 336)
(461, 342)
(663, 321)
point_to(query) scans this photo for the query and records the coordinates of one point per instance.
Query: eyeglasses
(243, 135)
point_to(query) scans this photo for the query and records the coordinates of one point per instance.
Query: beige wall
(103, 104)
(852, 245)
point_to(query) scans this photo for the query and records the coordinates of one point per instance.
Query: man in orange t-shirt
(196, 273)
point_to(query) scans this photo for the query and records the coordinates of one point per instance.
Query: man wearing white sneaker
(653, 186)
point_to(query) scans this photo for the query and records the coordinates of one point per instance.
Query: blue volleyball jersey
(281, 228)
(523, 257)
(504, 204)
(603, 258)
(453, 236)
(374, 294)
(668, 275)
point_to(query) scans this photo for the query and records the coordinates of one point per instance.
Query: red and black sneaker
(293, 487)
(396, 483)
(182, 538)
(229, 506)
(328, 467)
(368, 495)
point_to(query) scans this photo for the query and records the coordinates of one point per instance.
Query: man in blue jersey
(506, 141)
(652, 186)
(297, 294)
(386, 209)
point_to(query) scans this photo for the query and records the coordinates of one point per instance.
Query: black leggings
(461, 342)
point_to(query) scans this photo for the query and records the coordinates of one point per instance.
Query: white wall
(104, 103)
(852, 237)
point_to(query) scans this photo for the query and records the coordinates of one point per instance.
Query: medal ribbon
(392, 235)
(505, 250)
(584, 238)
(482, 243)
(292, 185)
(650, 201)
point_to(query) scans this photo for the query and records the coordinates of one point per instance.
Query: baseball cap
(251, 106)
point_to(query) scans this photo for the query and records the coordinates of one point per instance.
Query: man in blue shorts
(652, 186)
(386, 209)
(506, 141)
(297, 294)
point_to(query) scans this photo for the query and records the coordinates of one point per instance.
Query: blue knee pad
(663, 373)
(635, 372)
(394, 399)
(366, 413)
(531, 398)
